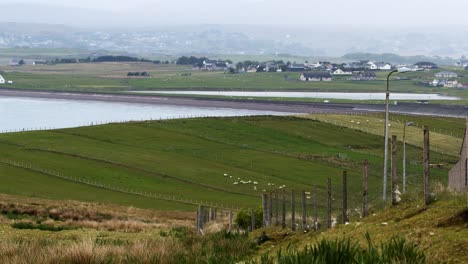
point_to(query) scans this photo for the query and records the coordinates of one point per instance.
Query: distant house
(426, 65)
(271, 67)
(296, 67)
(315, 77)
(251, 68)
(341, 72)
(357, 65)
(371, 66)
(446, 74)
(215, 65)
(434, 83)
(364, 76)
(2, 80)
(451, 84)
(384, 66)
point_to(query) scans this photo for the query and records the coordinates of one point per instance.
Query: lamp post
(387, 99)
(404, 153)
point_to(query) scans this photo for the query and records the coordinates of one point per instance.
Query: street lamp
(387, 98)
(404, 153)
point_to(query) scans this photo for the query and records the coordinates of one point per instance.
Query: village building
(384, 66)
(341, 72)
(446, 74)
(2, 80)
(458, 175)
(425, 65)
(296, 67)
(315, 77)
(214, 65)
(371, 66)
(364, 76)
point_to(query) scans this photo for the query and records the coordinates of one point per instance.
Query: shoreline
(291, 107)
(248, 104)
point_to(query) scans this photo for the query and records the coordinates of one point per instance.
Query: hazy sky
(313, 12)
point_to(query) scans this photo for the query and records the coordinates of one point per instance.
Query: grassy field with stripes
(225, 162)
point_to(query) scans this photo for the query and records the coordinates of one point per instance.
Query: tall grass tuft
(343, 251)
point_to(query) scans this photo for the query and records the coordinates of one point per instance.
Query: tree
(21, 63)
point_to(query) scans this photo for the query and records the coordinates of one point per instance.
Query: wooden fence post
(252, 220)
(304, 212)
(394, 170)
(315, 209)
(200, 218)
(230, 221)
(264, 209)
(283, 215)
(196, 222)
(270, 210)
(293, 211)
(345, 197)
(426, 165)
(365, 206)
(329, 204)
(276, 208)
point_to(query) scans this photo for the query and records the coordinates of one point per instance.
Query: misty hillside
(54, 26)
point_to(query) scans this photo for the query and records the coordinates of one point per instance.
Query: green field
(186, 160)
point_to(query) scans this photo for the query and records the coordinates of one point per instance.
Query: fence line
(96, 123)
(159, 196)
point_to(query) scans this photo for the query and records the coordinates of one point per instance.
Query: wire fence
(158, 196)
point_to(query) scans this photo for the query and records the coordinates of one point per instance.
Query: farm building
(458, 175)
(2, 80)
(316, 76)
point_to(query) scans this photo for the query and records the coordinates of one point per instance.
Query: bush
(243, 218)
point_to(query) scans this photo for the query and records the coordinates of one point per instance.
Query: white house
(2, 80)
(384, 66)
(341, 72)
(371, 65)
(315, 77)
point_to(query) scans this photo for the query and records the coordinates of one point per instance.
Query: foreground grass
(408, 233)
(47, 231)
(439, 231)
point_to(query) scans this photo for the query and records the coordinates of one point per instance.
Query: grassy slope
(187, 158)
(439, 230)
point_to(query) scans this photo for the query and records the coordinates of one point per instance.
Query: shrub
(343, 251)
(243, 218)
